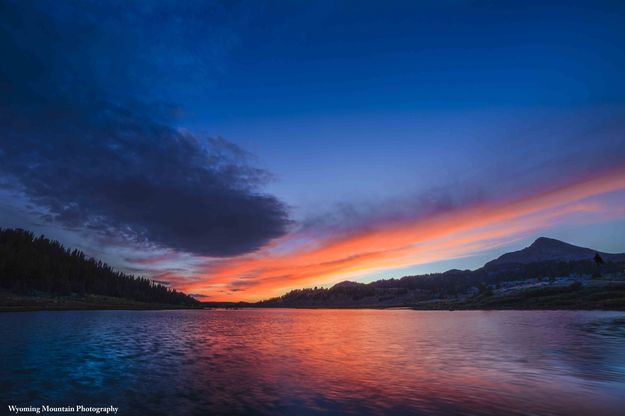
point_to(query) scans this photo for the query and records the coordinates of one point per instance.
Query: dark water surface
(316, 361)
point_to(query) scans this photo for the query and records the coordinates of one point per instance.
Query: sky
(236, 150)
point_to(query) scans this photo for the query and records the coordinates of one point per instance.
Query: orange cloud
(450, 234)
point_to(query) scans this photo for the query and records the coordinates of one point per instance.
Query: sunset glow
(449, 234)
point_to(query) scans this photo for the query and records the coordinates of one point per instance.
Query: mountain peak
(347, 283)
(550, 249)
(548, 242)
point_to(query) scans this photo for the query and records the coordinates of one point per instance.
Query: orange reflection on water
(407, 362)
(343, 362)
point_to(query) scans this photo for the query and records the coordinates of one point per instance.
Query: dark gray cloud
(90, 152)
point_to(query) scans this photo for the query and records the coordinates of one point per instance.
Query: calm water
(316, 361)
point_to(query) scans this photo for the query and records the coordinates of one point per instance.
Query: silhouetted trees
(30, 264)
(450, 284)
(598, 261)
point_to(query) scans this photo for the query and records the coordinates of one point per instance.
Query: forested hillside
(566, 264)
(33, 265)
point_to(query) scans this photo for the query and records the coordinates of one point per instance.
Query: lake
(270, 361)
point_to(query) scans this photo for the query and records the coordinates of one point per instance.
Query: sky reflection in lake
(317, 361)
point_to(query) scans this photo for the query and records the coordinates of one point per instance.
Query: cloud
(82, 143)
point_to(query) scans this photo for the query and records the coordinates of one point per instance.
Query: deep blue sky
(334, 115)
(356, 96)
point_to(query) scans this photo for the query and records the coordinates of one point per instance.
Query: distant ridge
(546, 259)
(549, 249)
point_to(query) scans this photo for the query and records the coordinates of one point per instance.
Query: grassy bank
(16, 303)
(610, 297)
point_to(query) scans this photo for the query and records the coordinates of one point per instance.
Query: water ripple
(317, 361)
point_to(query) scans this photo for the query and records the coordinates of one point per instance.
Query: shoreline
(29, 308)
(10, 302)
(603, 298)
(48, 308)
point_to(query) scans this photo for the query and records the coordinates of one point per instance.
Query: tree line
(33, 265)
(446, 285)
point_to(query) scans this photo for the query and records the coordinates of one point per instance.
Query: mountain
(42, 274)
(546, 260)
(549, 249)
(347, 284)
